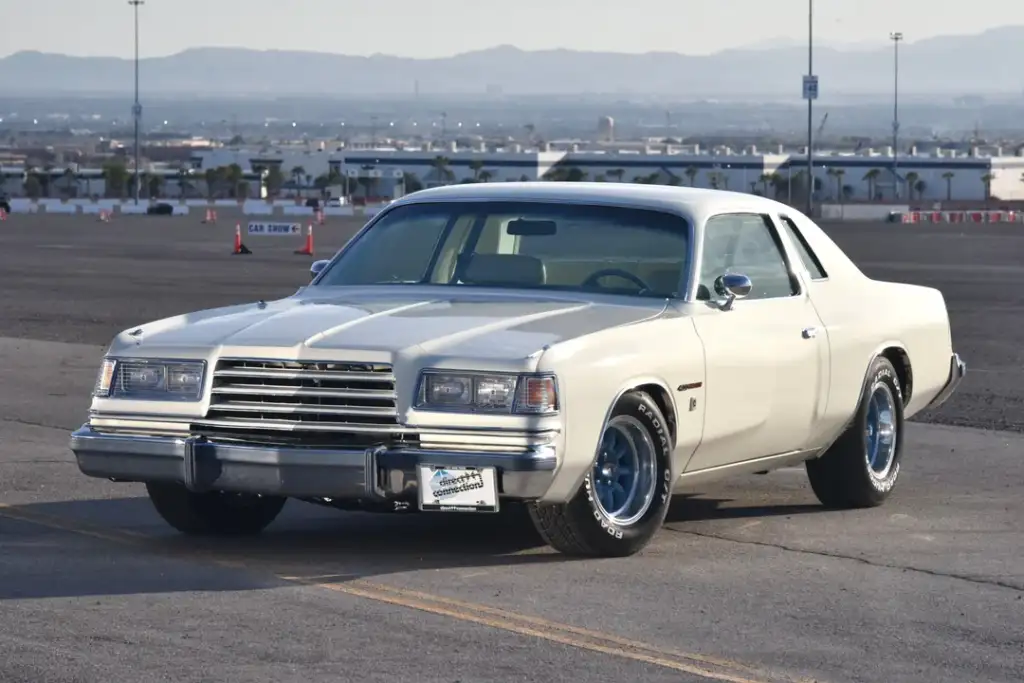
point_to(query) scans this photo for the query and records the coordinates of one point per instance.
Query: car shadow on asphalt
(131, 550)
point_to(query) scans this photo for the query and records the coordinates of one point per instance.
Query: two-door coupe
(588, 349)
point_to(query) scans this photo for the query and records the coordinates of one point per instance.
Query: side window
(746, 244)
(810, 261)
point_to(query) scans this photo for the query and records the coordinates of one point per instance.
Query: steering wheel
(592, 279)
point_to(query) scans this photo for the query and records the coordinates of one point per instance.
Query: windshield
(545, 246)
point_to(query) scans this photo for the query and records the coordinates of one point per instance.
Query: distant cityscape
(74, 138)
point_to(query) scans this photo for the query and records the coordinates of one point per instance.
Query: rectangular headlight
(150, 379)
(487, 393)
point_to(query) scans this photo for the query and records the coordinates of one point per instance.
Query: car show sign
(275, 228)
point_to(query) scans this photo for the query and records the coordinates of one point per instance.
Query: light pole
(810, 94)
(896, 38)
(137, 108)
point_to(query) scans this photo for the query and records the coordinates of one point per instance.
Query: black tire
(581, 527)
(213, 513)
(843, 476)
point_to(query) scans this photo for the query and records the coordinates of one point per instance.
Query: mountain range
(989, 62)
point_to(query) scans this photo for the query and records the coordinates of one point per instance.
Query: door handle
(809, 332)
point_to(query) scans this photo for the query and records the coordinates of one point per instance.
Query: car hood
(427, 321)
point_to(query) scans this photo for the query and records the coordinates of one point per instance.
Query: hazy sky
(424, 28)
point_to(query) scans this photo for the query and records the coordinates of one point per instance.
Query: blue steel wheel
(624, 497)
(624, 471)
(862, 467)
(880, 431)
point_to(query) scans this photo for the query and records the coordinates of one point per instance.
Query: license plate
(458, 489)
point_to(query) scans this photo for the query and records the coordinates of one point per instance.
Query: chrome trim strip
(310, 392)
(957, 370)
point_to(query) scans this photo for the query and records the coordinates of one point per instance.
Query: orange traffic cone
(211, 216)
(307, 250)
(3, 215)
(240, 248)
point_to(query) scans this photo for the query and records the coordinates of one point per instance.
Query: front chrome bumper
(377, 474)
(957, 370)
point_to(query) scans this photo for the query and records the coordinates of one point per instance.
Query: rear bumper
(957, 370)
(378, 474)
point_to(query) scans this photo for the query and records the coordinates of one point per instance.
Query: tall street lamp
(896, 38)
(137, 108)
(810, 94)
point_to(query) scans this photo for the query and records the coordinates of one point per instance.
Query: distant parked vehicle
(161, 209)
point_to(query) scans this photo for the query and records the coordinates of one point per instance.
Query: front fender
(664, 356)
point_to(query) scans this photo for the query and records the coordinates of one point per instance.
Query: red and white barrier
(975, 216)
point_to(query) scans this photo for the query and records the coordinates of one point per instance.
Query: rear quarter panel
(593, 371)
(865, 316)
(865, 321)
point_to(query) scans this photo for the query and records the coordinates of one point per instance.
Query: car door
(765, 355)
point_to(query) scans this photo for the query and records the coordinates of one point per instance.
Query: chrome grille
(335, 398)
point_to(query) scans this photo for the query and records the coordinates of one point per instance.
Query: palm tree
(476, 165)
(575, 175)
(211, 177)
(920, 186)
(234, 178)
(617, 174)
(298, 173)
(871, 178)
(911, 180)
(840, 172)
(71, 182)
(691, 173)
(948, 177)
(765, 180)
(442, 168)
(484, 176)
(987, 179)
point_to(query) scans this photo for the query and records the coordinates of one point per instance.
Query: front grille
(299, 401)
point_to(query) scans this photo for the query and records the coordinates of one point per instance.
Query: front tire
(213, 513)
(861, 469)
(625, 496)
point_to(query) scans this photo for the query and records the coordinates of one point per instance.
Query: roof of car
(696, 202)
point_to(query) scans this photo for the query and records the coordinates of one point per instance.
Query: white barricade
(58, 207)
(23, 205)
(257, 208)
(134, 209)
(297, 210)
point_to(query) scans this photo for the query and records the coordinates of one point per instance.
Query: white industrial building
(933, 177)
(936, 176)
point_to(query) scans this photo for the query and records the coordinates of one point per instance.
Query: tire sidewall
(882, 373)
(596, 524)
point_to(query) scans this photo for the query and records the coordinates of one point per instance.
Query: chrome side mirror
(315, 269)
(732, 286)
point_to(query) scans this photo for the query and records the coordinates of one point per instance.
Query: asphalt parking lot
(751, 581)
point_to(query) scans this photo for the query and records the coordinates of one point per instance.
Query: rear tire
(625, 496)
(861, 468)
(213, 513)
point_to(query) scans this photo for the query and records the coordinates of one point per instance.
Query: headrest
(504, 269)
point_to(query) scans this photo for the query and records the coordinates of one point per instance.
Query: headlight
(487, 393)
(150, 379)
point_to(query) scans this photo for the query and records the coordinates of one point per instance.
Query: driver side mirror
(315, 269)
(732, 286)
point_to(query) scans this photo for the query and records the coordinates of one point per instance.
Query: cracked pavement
(94, 587)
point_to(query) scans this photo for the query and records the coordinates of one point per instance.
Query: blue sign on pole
(810, 87)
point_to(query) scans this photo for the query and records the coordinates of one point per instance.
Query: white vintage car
(587, 349)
